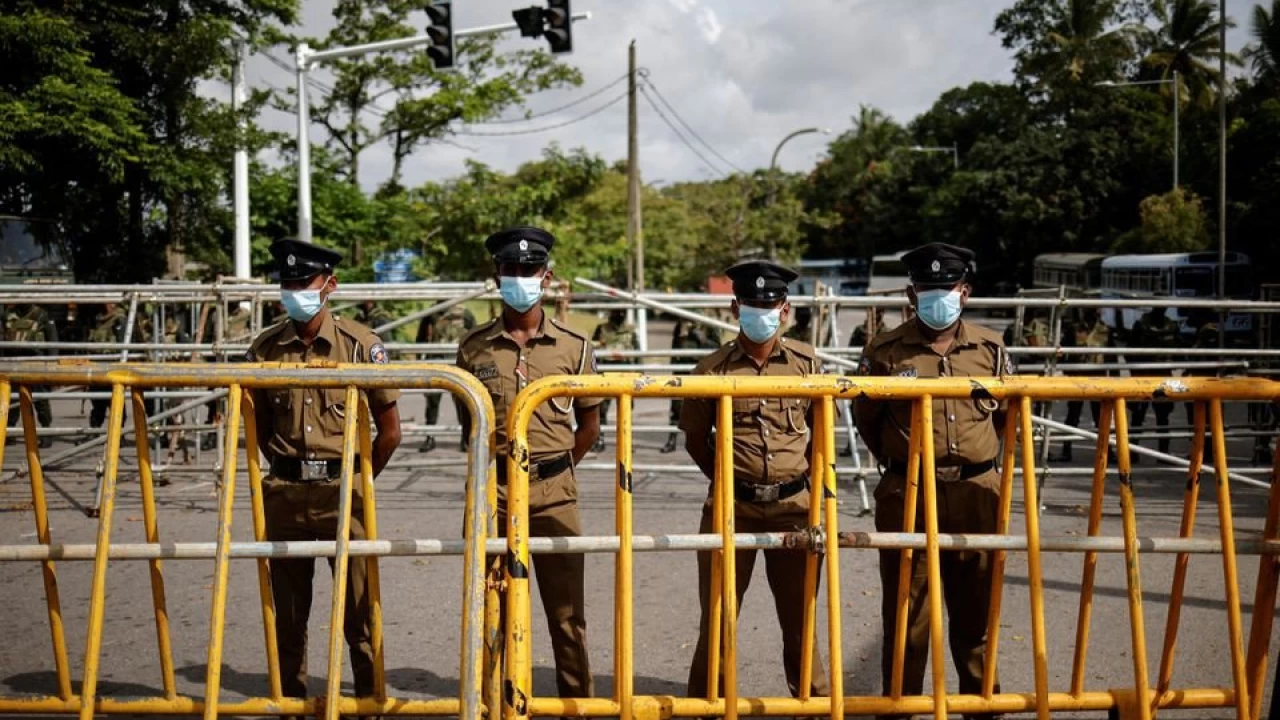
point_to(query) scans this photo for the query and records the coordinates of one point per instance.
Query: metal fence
(824, 537)
(478, 627)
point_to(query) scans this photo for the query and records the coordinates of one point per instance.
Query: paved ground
(422, 596)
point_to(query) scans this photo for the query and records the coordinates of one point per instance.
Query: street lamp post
(953, 149)
(773, 175)
(1164, 81)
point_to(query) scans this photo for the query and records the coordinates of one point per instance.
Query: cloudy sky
(741, 73)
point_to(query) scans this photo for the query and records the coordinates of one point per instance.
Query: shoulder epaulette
(565, 328)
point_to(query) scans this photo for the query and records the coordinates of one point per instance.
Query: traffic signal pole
(306, 58)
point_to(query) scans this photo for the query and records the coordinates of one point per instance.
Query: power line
(531, 131)
(562, 108)
(678, 134)
(645, 77)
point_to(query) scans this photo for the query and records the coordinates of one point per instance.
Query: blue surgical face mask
(939, 309)
(302, 305)
(759, 324)
(520, 293)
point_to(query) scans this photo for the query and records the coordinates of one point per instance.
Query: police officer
(522, 344)
(31, 324)
(614, 334)
(300, 432)
(937, 343)
(1154, 330)
(691, 335)
(452, 327)
(771, 460)
(1087, 331)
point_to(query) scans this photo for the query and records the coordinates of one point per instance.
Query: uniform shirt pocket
(333, 413)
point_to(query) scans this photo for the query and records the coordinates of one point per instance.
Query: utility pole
(635, 231)
(1222, 168)
(240, 193)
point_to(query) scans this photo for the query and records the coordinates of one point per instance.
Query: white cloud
(742, 73)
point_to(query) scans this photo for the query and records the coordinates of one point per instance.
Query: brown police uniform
(966, 442)
(770, 455)
(300, 432)
(505, 368)
(771, 477)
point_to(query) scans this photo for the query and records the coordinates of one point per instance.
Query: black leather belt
(295, 470)
(966, 471)
(540, 470)
(759, 493)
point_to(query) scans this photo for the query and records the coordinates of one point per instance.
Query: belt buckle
(767, 493)
(313, 470)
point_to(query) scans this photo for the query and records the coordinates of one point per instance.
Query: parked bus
(848, 276)
(1174, 275)
(888, 275)
(1079, 273)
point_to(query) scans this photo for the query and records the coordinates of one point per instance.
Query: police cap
(937, 264)
(297, 260)
(520, 246)
(760, 280)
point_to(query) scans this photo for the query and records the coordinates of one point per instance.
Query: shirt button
(308, 400)
(311, 455)
(309, 430)
(951, 417)
(766, 432)
(770, 456)
(953, 446)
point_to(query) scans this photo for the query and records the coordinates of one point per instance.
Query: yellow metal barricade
(478, 627)
(824, 539)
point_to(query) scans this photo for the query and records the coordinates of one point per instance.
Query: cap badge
(759, 282)
(524, 245)
(936, 266)
(291, 260)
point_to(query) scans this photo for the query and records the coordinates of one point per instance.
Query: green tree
(1187, 43)
(401, 99)
(162, 183)
(1174, 222)
(1060, 43)
(1263, 54)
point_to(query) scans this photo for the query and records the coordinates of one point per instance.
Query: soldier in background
(687, 335)
(874, 321)
(371, 315)
(1087, 331)
(30, 324)
(614, 334)
(452, 327)
(1154, 330)
(802, 328)
(109, 329)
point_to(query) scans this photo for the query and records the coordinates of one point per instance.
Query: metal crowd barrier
(1140, 700)
(478, 628)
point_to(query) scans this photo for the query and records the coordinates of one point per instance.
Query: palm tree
(1188, 43)
(1264, 53)
(1084, 45)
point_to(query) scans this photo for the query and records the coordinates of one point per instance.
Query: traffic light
(559, 30)
(440, 13)
(554, 23)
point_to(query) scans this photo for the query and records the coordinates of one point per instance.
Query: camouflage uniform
(688, 335)
(30, 325)
(1085, 334)
(110, 329)
(372, 315)
(451, 328)
(1154, 329)
(615, 334)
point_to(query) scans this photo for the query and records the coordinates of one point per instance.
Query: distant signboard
(395, 267)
